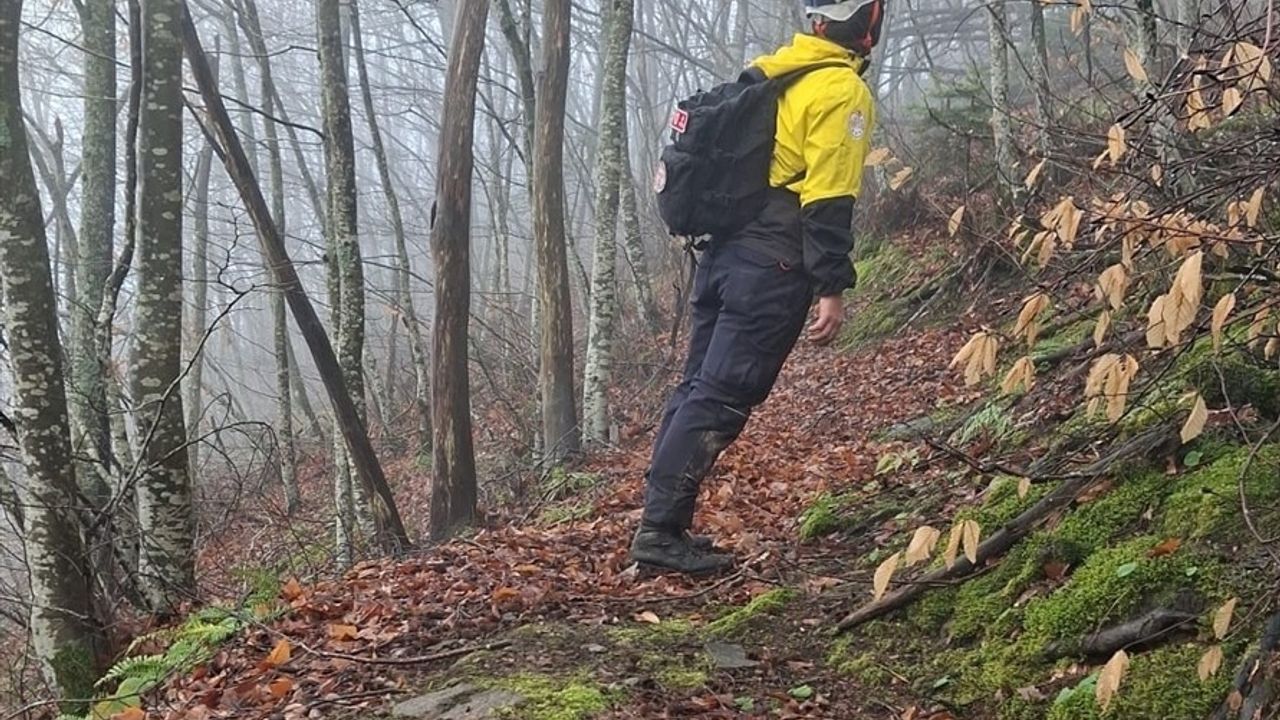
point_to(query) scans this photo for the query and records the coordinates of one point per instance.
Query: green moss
(1160, 685)
(1113, 583)
(769, 603)
(1001, 504)
(1065, 336)
(558, 514)
(827, 514)
(1120, 510)
(865, 667)
(681, 677)
(552, 698)
(882, 270)
(1206, 503)
(665, 633)
(1232, 377)
(75, 671)
(931, 612)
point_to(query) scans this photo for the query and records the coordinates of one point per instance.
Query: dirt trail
(562, 594)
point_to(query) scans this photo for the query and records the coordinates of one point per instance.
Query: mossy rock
(556, 698)
(1160, 685)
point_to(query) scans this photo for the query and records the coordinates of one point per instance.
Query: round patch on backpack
(660, 177)
(857, 124)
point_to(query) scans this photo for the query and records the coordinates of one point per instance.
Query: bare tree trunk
(453, 485)
(604, 284)
(194, 381)
(344, 243)
(404, 297)
(164, 493)
(1040, 80)
(67, 642)
(633, 240)
(97, 225)
(391, 535)
(1001, 130)
(559, 415)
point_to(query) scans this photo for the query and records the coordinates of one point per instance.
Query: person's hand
(830, 318)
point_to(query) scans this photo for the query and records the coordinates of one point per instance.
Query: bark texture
(167, 564)
(604, 284)
(453, 485)
(1001, 129)
(559, 414)
(97, 223)
(64, 636)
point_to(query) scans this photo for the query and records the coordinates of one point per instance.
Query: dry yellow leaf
(1157, 174)
(1101, 328)
(899, 178)
(1024, 487)
(1155, 323)
(1258, 325)
(1116, 145)
(876, 157)
(884, 573)
(1110, 678)
(1254, 207)
(1028, 324)
(1035, 174)
(972, 533)
(1134, 66)
(953, 545)
(1272, 349)
(1209, 663)
(1112, 285)
(1194, 426)
(1222, 618)
(650, 617)
(953, 225)
(922, 545)
(279, 654)
(1221, 311)
(1231, 100)
(1021, 375)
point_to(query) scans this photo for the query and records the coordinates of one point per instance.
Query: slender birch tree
(1001, 128)
(604, 284)
(346, 265)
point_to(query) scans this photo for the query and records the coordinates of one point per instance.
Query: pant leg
(704, 308)
(763, 310)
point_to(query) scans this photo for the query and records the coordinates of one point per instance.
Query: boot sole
(649, 570)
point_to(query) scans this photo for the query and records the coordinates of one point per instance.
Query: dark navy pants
(747, 312)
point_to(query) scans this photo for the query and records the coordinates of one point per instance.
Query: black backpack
(712, 178)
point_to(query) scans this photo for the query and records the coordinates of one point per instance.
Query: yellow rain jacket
(825, 120)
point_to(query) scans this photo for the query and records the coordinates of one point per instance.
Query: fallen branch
(1254, 688)
(1006, 537)
(417, 660)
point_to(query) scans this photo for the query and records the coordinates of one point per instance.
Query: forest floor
(832, 477)
(552, 598)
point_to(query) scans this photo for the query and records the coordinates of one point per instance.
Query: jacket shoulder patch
(857, 125)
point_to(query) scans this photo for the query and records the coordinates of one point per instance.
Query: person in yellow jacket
(753, 290)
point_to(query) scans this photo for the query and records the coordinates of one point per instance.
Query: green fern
(138, 666)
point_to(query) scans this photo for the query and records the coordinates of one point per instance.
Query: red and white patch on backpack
(680, 121)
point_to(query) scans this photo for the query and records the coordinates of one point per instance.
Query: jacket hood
(804, 51)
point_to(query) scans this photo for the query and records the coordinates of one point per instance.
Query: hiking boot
(663, 549)
(700, 542)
